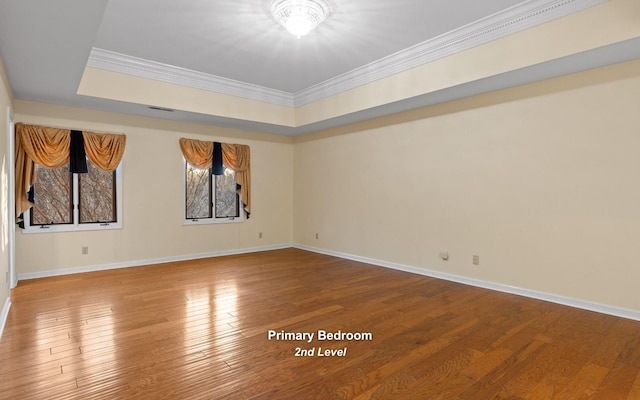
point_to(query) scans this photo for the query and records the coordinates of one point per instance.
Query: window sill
(211, 221)
(70, 228)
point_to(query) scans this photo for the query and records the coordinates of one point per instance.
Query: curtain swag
(53, 148)
(200, 155)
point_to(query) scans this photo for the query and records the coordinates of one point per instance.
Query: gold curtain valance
(199, 154)
(105, 150)
(49, 147)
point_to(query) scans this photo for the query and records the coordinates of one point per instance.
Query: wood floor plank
(617, 384)
(634, 393)
(199, 330)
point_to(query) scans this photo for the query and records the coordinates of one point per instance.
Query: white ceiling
(239, 40)
(46, 45)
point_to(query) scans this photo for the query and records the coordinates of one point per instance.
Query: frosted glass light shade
(299, 17)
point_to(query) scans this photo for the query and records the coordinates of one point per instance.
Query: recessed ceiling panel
(238, 39)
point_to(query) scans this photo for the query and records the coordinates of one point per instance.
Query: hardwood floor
(200, 330)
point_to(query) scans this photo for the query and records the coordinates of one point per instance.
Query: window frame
(76, 225)
(212, 197)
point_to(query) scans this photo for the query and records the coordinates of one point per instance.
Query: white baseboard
(577, 303)
(137, 263)
(5, 314)
(567, 301)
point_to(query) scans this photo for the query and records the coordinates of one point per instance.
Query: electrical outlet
(85, 249)
(476, 260)
(444, 255)
(259, 235)
(316, 235)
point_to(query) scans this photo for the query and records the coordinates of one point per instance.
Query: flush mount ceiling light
(299, 17)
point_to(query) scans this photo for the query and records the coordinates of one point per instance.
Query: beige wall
(5, 160)
(153, 192)
(541, 181)
(117, 86)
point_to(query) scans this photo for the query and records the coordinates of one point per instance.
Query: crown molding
(506, 22)
(139, 67)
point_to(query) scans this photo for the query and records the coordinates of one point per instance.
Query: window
(70, 202)
(225, 197)
(54, 206)
(211, 198)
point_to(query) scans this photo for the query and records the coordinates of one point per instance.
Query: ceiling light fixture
(299, 17)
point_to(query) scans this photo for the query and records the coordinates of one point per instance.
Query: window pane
(226, 195)
(97, 195)
(198, 192)
(53, 196)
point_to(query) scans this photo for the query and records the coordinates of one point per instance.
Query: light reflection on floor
(207, 316)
